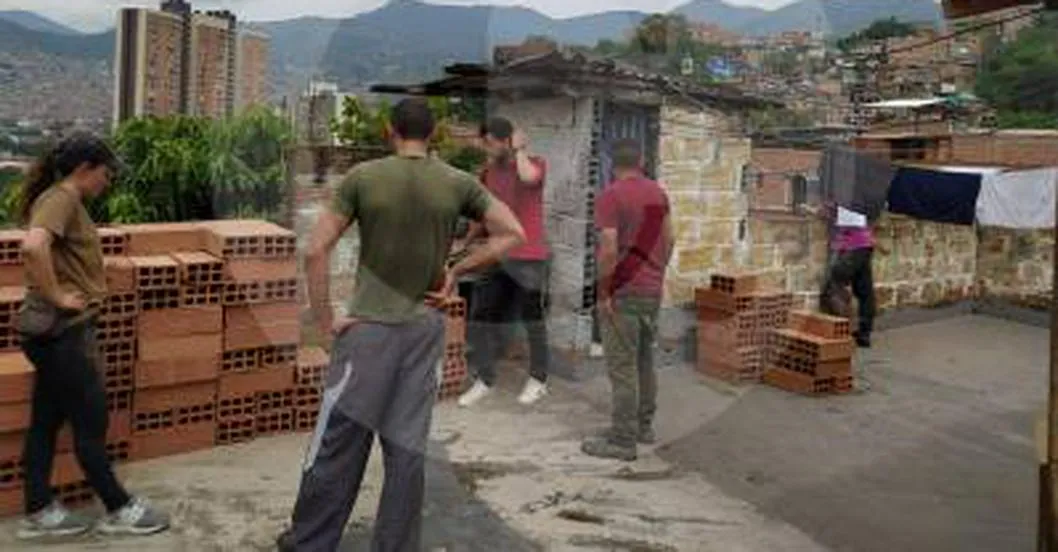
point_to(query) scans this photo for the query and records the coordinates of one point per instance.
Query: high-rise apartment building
(175, 60)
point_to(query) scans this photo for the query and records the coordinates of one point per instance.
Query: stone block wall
(1015, 266)
(701, 167)
(928, 264)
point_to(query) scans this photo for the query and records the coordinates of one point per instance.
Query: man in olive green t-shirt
(383, 377)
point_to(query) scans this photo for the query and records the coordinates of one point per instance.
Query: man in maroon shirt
(514, 292)
(635, 246)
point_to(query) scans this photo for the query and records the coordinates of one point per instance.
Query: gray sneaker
(136, 518)
(647, 435)
(53, 521)
(601, 447)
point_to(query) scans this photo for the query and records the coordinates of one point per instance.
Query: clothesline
(991, 196)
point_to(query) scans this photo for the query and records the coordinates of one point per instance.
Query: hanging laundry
(936, 195)
(855, 179)
(1018, 199)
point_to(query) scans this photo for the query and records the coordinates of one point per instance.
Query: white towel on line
(1018, 199)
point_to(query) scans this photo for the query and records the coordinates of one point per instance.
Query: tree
(186, 168)
(879, 30)
(1021, 79)
(662, 34)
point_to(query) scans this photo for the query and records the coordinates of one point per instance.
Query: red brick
(116, 330)
(199, 268)
(156, 272)
(240, 361)
(240, 429)
(312, 362)
(249, 239)
(120, 305)
(114, 241)
(163, 373)
(733, 284)
(232, 239)
(820, 325)
(812, 347)
(257, 381)
(164, 239)
(121, 274)
(11, 502)
(11, 246)
(711, 299)
(11, 444)
(250, 270)
(181, 322)
(262, 335)
(14, 417)
(164, 420)
(174, 440)
(279, 356)
(194, 346)
(796, 382)
(10, 302)
(235, 407)
(12, 275)
(16, 378)
(159, 299)
(262, 291)
(167, 398)
(305, 418)
(275, 422)
(270, 401)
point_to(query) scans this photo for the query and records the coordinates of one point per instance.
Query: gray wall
(560, 130)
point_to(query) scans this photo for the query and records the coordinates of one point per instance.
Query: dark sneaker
(136, 518)
(863, 341)
(53, 521)
(601, 447)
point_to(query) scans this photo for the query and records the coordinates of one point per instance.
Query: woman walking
(66, 285)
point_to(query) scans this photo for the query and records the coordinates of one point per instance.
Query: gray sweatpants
(382, 379)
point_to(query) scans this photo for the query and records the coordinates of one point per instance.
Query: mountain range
(411, 39)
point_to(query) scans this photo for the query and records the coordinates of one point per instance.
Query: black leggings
(67, 387)
(851, 269)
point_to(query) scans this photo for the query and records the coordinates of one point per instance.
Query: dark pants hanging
(851, 269)
(67, 387)
(513, 293)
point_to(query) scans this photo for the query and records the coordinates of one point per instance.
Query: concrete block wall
(560, 130)
(701, 167)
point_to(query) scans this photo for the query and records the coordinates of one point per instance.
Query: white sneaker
(533, 392)
(476, 392)
(596, 350)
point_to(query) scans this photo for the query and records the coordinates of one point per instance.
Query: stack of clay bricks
(199, 345)
(454, 368)
(734, 321)
(813, 356)
(16, 381)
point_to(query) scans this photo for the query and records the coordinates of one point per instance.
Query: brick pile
(813, 356)
(199, 346)
(734, 321)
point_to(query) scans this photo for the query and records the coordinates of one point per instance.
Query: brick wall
(929, 264)
(1013, 148)
(775, 166)
(702, 167)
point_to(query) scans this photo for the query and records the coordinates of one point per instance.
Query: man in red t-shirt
(514, 292)
(635, 246)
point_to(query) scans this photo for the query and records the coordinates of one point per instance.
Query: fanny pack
(39, 317)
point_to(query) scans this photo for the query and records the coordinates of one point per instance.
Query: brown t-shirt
(76, 250)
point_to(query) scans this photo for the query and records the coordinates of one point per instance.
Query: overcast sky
(97, 15)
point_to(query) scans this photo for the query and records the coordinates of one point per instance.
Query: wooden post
(1048, 525)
